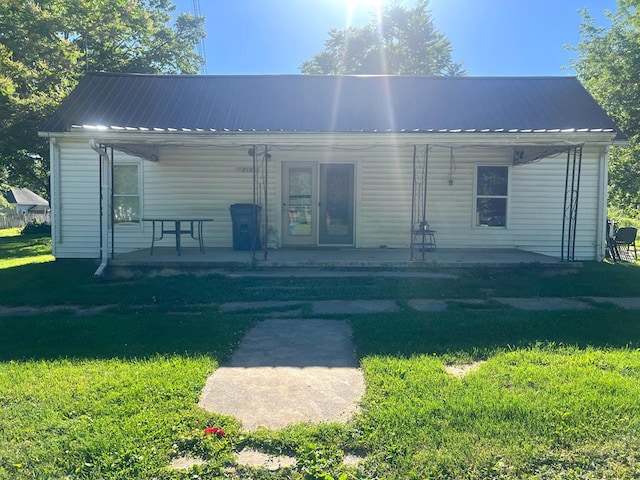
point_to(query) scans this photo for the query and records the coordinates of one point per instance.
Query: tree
(402, 41)
(46, 46)
(608, 65)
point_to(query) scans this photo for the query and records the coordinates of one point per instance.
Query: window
(491, 196)
(126, 196)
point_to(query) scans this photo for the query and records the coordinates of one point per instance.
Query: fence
(15, 220)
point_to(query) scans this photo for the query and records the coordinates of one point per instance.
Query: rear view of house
(332, 161)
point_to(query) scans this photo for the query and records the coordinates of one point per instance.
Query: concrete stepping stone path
(288, 371)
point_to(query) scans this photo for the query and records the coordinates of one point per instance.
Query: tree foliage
(46, 46)
(398, 41)
(608, 64)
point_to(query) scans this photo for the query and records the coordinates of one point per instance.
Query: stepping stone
(186, 462)
(629, 303)
(329, 307)
(544, 303)
(427, 305)
(248, 306)
(288, 371)
(256, 459)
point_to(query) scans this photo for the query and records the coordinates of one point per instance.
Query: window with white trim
(126, 193)
(492, 195)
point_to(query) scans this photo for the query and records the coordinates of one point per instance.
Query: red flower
(215, 430)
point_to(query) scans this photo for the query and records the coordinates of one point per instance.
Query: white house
(347, 161)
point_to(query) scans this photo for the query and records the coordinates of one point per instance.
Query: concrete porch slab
(345, 258)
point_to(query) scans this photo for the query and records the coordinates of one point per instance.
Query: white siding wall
(78, 222)
(201, 182)
(535, 204)
(204, 181)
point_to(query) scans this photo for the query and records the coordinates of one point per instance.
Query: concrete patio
(216, 258)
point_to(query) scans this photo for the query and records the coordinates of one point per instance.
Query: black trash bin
(246, 226)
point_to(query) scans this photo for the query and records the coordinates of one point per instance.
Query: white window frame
(476, 196)
(138, 165)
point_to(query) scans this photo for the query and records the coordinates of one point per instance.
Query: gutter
(104, 219)
(342, 139)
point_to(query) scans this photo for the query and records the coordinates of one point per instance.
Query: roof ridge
(316, 76)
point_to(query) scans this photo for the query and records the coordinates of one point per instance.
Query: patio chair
(626, 241)
(610, 234)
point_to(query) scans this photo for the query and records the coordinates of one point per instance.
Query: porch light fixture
(252, 151)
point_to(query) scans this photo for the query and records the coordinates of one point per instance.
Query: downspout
(603, 184)
(105, 170)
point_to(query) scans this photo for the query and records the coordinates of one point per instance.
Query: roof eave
(530, 137)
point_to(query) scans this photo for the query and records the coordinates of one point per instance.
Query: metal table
(175, 226)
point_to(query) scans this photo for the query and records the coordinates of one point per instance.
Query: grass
(113, 394)
(97, 419)
(17, 250)
(530, 413)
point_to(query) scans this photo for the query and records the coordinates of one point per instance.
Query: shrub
(36, 227)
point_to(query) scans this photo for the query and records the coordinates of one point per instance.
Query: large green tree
(397, 41)
(46, 46)
(608, 64)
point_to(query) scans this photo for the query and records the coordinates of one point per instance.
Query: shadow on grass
(476, 334)
(71, 282)
(120, 335)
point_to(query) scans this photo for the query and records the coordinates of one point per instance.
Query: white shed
(26, 201)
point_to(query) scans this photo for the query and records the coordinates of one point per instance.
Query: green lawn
(17, 250)
(112, 394)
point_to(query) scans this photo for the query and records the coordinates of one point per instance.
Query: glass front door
(299, 204)
(318, 204)
(336, 204)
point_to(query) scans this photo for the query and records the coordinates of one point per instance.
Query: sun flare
(355, 7)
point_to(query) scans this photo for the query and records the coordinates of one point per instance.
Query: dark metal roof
(309, 103)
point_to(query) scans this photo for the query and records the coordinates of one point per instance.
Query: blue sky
(491, 37)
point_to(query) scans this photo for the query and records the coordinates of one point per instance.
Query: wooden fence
(15, 220)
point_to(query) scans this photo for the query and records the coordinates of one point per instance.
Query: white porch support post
(105, 204)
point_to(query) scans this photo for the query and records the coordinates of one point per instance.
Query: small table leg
(200, 239)
(177, 225)
(153, 236)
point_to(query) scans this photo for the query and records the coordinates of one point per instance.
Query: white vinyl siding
(535, 207)
(204, 180)
(78, 222)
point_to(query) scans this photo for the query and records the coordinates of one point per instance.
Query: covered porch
(333, 180)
